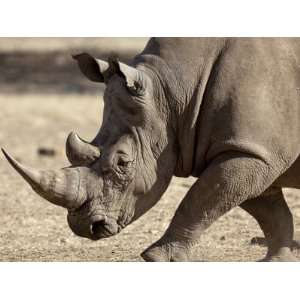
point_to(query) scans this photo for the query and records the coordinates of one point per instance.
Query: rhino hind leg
(276, 221)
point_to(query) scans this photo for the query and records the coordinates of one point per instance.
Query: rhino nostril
(97, 226)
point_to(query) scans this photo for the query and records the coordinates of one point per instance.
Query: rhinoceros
(223, 110)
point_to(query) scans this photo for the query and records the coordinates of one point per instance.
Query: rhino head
(124, 171)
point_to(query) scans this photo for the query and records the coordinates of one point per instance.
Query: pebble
(43, 151)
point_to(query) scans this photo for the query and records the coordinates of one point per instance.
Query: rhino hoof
(261, 241)
(166, 252)
(156, 254)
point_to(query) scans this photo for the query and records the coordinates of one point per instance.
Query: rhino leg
(228, 181)
(276, 221)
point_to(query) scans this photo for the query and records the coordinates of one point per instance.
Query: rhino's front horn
(58, 187)
(80, 152)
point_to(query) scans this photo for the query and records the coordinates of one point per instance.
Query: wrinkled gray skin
(223, 110)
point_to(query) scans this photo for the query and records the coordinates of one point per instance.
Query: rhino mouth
(98, 230)
(102, 227)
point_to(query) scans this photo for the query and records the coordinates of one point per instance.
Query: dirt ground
(32, 229)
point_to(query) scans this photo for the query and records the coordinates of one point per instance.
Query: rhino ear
(132, 76)
(94, 69)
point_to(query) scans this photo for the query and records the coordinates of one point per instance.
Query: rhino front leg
(276, 221)
(228, 181)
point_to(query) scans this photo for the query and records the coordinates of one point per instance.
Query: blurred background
(43, 97)
(44, 65)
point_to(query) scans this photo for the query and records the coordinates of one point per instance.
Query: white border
(132, 281)
(147, 18)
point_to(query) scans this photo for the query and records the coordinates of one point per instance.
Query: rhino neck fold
(184, 84)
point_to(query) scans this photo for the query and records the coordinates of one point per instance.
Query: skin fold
(224, 110)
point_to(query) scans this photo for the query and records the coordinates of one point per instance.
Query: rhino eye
(136, 89)
(122, 162)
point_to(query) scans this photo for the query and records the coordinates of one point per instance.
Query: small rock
(43, 151)
(222, 238)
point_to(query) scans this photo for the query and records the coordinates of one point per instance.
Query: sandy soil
(33, 230)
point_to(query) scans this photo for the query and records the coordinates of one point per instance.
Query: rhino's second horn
(80, 152)
(58, 187)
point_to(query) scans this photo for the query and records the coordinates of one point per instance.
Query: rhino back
(253, 105)
(235, 94)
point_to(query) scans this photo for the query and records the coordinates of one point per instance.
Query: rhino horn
(80, 152)
(58, 187)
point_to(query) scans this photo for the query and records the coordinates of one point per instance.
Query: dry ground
(33, 230)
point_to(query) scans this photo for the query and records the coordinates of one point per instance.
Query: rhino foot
(282, 255)
(261, 241)
(166, 252)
